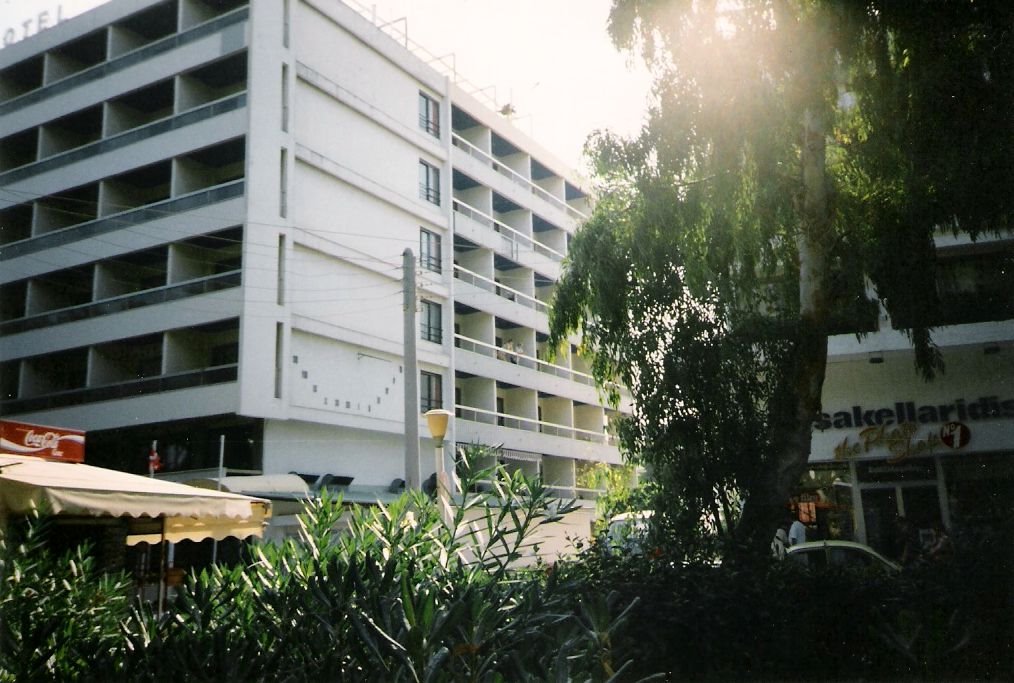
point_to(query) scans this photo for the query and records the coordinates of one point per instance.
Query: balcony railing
(125, 302)
(576, 492)
(495, 287)
(129, 59)
(515, 177)
(125, 139)
(131, 389)
(511, 237)
(526, 424)
(511, 356)
(125, 219)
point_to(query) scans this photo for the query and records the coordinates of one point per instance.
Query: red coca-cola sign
(51, 443)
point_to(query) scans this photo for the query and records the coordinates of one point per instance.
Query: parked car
(822, 554)
(628, 532)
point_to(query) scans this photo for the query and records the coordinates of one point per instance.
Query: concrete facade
(204, 207)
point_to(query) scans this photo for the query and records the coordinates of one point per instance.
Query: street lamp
(437, 420)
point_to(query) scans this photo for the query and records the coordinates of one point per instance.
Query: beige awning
(190, 513)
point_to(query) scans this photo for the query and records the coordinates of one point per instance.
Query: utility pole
(413, 474)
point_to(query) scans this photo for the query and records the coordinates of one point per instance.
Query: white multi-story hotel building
(204, 206)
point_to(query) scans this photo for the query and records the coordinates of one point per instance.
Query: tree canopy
(795, 162)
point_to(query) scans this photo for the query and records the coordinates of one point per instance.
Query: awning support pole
(163, 575)
(221, 473)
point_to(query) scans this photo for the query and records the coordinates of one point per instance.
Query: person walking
(797, 532)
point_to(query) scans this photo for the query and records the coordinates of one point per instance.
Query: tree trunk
(791, 430)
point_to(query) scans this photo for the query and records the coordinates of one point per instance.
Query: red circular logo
(955, 434)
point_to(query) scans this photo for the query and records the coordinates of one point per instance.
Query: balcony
(514, 422)
(515, 178)
(79, 220)
(90, 147)
(128, 389)
(124, 368)
(512, 357)
(83, 61)
(500, 290)
(117, 304)
(511, 241)
(971, 288)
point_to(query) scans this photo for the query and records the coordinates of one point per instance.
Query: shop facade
(891, 446)
(134, 523)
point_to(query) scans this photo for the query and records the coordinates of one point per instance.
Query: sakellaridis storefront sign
(960, 410)
(904, 441)
(907, 429)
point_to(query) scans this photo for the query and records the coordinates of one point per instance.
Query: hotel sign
(29, 26)
(51, 443)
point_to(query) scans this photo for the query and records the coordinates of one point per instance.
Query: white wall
(373, 458)
(331, 376)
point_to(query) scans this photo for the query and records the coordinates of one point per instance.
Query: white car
(823, 554)
(628, 531)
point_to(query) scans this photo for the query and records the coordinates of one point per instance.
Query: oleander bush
(412, 591)
(950, 620)
(416, 591)
(57, 612)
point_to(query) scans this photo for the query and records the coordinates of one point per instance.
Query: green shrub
(57, 612)
(412, 591)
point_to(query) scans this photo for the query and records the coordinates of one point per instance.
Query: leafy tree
(796, 160)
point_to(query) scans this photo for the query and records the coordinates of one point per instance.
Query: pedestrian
(797, 532)
(779, 542)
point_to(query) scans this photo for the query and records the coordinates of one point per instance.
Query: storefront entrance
(884, 504)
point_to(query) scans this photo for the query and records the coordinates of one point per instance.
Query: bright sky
(551, 59)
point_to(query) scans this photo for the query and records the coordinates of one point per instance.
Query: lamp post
(437, 420)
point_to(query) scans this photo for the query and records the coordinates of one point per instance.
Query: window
(431, 324)
(429, 115)
(283, 184)
(285, 98)
(431, 391)
(429, 182)
(429, 250)
(279, 355)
